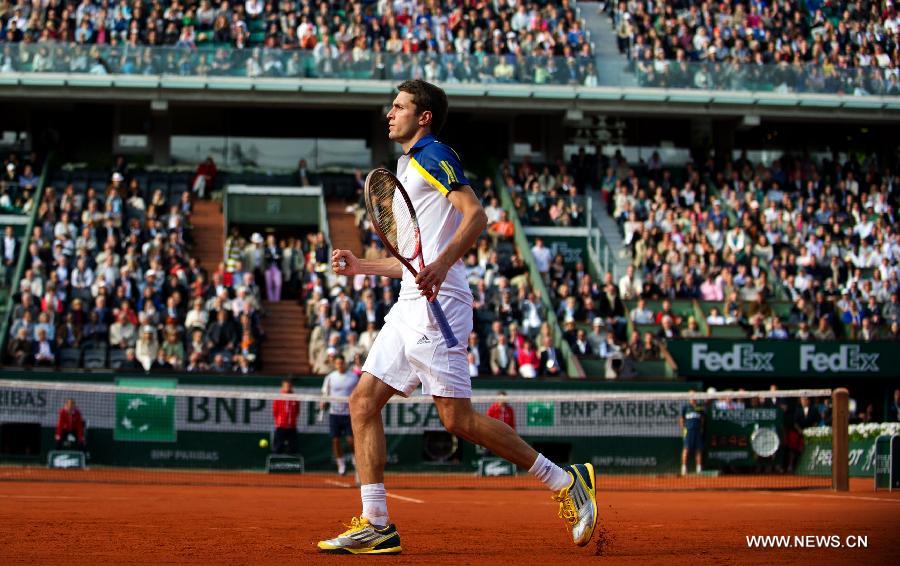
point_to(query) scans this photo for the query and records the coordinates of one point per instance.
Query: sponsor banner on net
(158, 418)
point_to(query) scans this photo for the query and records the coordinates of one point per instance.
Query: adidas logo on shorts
(424, 340)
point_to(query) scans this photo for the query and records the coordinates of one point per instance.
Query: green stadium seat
(655, 369)
(70, 357)
(733, 331)
(593, 367)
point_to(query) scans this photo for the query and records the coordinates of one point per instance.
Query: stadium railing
(225, 61)
(20, 264)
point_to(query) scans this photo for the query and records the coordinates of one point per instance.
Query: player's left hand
(430, 279)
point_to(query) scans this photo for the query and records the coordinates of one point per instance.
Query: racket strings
(392, 215)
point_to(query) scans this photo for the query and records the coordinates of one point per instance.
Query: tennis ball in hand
(263, 442)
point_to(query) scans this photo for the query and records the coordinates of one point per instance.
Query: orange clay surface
(100, 523)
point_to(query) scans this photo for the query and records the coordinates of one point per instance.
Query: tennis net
(154, 431)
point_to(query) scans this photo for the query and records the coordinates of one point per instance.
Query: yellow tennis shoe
(362, 537)
(578, 503)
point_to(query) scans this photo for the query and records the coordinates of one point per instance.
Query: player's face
(403, 122)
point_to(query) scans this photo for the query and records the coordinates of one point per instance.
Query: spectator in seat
(778, 331)
(597, 337)
(161, 362)
(502, 229)
(668, 331)
(648, 349)
(824, 331)
(146, 349)
(43, 350)
(502, 360)
(528, 360)
(640, 314)
(693, 329)
(69, 427)
(551, 359)
(20, 350)
(714, 318)
(131, 362)
(581, 347)
(667, 311)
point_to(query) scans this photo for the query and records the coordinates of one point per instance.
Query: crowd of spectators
(590, 310)
(799, 248)
(511, 335)
(470, 41)
(551, 195)
(109, 278)
(820, 235)
(18, 183)
(788, 45)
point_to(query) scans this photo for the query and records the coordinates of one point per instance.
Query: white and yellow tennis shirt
(429, 171)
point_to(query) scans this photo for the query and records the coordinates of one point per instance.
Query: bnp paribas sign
(783, 358)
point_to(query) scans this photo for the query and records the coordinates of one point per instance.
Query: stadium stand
(788, 46)
(510, 332)
(110, 281)
(462, 42)
(796, 249)
(800, 249)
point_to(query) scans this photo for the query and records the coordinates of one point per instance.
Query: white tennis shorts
(410, 349)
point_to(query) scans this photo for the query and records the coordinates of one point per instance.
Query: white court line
(42, 496)
(393, 495)
(822, 495)
(404, 498)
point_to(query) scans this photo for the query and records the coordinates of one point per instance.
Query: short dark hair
(427, 96)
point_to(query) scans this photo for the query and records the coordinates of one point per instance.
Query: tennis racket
(394, 220)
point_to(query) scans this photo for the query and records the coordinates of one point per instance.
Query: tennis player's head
(418, 109)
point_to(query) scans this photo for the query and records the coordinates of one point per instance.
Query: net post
(840, 440)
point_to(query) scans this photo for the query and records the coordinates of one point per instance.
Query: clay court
(100, 523)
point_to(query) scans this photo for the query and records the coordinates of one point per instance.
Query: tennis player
(410, 349)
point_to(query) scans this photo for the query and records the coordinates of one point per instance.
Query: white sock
(552, 475)
(374, 501)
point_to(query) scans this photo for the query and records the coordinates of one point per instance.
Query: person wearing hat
(147, 347)
(597, 337)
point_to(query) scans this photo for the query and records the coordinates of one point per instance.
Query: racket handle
(441, 318)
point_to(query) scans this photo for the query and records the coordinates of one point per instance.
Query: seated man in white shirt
(641, 314)
(715, 318)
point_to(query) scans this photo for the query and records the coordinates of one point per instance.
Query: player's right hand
(343, 262)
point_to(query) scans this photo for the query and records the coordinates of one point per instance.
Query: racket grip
(441, 318)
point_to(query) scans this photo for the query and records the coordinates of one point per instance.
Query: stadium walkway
(209, 234)
(286, 347)
(610, 64)
(342, 224)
